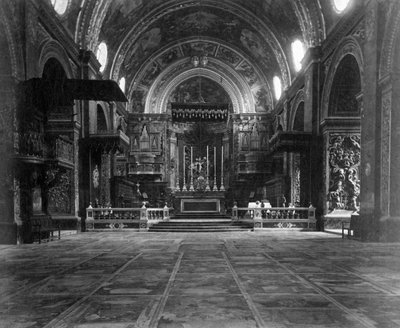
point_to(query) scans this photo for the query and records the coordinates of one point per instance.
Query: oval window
(298, 52)
(122, 84)
(277, 87)
(340, 5)
(101, 55)
(60, 6)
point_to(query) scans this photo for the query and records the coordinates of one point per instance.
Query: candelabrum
(208, 174)
(215, 170)
(177, 187)
(222, 188)
(191, 188)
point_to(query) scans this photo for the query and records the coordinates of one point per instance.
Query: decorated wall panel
(344, 155)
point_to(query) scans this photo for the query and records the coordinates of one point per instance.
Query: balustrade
(145, 168)
(63, 149)
(34, 144)
(31, 144)
(120, 218)
(281, 217)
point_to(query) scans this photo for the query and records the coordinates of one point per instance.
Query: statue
(95, 177)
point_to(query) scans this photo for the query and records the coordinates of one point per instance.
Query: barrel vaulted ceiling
(151, 43)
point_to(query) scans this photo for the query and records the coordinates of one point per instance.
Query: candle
(222, 163)
(215, 161)
(191, 158)
(207, 160)
(184, 166)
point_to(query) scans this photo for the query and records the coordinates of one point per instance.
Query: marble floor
(210, 280)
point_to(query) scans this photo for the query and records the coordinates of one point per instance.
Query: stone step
(196, 230)
(199, 226)
(196, 223)
(200, 216)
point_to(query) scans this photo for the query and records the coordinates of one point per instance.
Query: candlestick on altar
(177, 187)
(215, 170)
(222, 188)
(191, 169)
(184, 169)
(207, 177)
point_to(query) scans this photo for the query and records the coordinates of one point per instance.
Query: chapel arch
(350, 51)
(346, 87)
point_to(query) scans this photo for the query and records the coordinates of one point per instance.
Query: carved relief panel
(344, 163)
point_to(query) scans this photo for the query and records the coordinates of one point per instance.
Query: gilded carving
(370, 22)
(344, 162)
(59, 185)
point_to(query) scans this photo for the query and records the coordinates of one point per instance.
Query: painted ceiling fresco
(189, 22)
(199, 89)
(145, 38)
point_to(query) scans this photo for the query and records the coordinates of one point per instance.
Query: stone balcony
(290, 141)
(150, 169)
(107, 140)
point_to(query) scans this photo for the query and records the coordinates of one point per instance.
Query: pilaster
(312, 70)
(369, 173)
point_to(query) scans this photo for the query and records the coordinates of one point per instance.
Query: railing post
(235, 212)
(311, 215)
(166, 212)
(89, 223)
(143, 218)
(257, 218)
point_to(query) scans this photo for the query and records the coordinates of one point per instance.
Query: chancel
(205, 163)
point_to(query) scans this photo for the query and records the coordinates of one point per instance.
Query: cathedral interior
(148, 112)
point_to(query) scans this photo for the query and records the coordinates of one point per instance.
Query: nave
(239, 279)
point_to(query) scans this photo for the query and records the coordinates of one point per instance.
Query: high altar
(199, 180)
(198, 156)
(201, 163)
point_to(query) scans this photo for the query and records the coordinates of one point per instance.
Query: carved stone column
(174, 162)
(105, 179)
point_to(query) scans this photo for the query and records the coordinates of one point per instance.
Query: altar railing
(278, 217)
(124, 218)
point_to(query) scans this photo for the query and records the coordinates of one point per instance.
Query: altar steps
(200, 216)
(199, 224)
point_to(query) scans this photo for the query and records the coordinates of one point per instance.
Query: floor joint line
(66, 313)
(323, 294)
(164, 297)
(257, 316)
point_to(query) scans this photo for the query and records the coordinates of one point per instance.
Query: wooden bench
(347, 227)
(43, 228)
(350, 226)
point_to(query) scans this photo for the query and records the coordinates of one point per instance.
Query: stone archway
(349, 46)
(342, 131)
